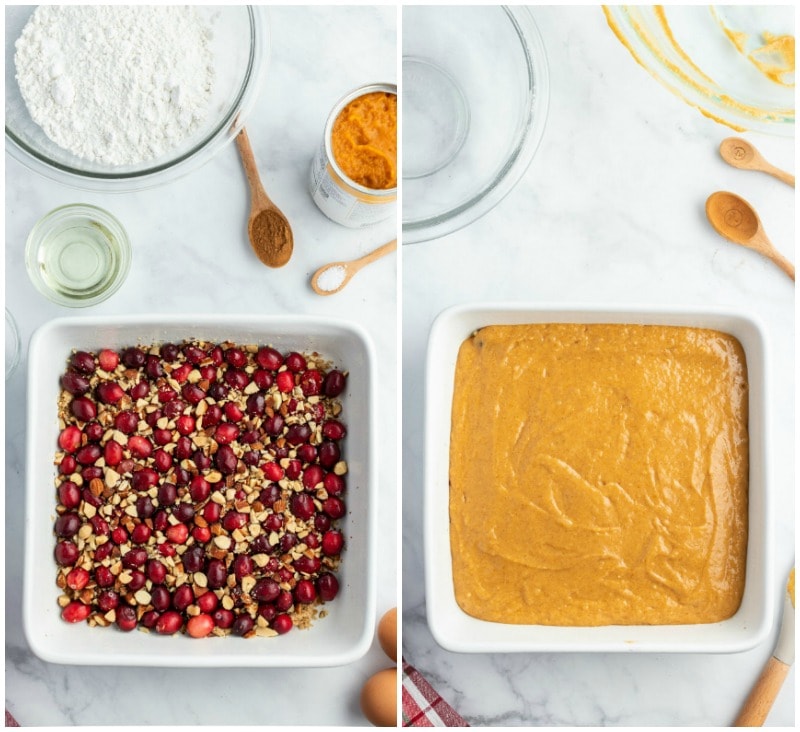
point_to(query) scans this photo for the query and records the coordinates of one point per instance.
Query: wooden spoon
(741, 154)
(759, 702)
(340, 273)
(269, 230)
(735, 219)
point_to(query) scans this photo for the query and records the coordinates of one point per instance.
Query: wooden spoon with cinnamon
(269, 230)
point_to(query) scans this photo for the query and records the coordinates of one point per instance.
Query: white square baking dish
(455, 630)
(341, 637)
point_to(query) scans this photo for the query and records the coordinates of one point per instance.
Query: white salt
(331, 278)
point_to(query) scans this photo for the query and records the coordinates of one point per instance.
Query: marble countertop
(611, 212)
(191, 255)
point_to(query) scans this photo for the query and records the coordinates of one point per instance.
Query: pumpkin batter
(598, 475)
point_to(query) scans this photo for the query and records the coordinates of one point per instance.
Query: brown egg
(379, 698)
(387, 633)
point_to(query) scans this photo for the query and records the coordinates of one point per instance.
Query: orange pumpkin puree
(599, 475)
(364, 140)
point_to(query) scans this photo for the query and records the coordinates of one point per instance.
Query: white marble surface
(191, 255)
(611, 211)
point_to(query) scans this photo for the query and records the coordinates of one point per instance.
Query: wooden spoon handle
(381, 251)
(781, 175)
(781, 261)
(257, 192)
(762, 695)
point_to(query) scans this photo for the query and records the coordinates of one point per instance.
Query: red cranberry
(207, 602)
(234, 520)
(67, 465)
(133, 358)
(333, 484)
(201, 460)
(93, 431)
(174, 408)
(108, 359)
(307, 453)
(156, 571)
(282, 624)
(312, 476)
(144, 507)
(226, 433)
(222, 618)
(242, 625)
(334, 383)
(329, 454)
(66, 553)
(139, 390)
(194, 559)
(274, 425)
(273, 522)
(83, 362)
(183, 448)
(307, 565)
(162, 461)
(334, 507)
(103, 576)
(285, 382)
(75, 612)
(69, 495)
(109, 392)
(295, 362)
(265, 590)
(119, 535)
(67, 525)
(294, 469)
(140, 447)
(126, 618)
(107, 600)
(263, 379)
(236, 378)
(183, 597)
(126, 422)
(269, 358)
(226, 460)
(88, 454)
(77, 579)
(332, 542)
(134, 558)
(302, 506)
(75, 384)
(298, 434)
(167, 494)
(284, 601)
(199, 489)
(192, 393)
(141, 534)
(305, 592)
(327, 586)
(153, 367)
(242, 566)
(185, 424)
(255, 404)
(184, 512)
(83, 409)
(333, 429)
(150, 618)
(178, 533)
(269, 494)
(90, 498)
(194, 354)
(218, 391)
(235, 357)
(217, 574)
(160, 598)
(112, 452)
(103, 551)
(138, 580)
(212, 416)
(169, 623)
(311, 382)
(211, 512)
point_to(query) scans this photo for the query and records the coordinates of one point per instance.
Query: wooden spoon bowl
(741, 154)
(736, 220)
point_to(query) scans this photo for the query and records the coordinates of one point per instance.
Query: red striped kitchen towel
(10, 721)
(422, 705)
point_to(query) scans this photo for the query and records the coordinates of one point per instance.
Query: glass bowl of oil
(78, 255)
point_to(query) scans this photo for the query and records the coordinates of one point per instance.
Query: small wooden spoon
(269, 230)
(759, 702)
(735, 219)
(341, 276)
(741, 154)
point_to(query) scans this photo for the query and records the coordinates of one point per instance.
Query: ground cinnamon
(271, 237)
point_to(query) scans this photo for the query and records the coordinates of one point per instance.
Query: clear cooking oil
(78, 255)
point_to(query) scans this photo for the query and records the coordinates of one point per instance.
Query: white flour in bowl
(118, 85)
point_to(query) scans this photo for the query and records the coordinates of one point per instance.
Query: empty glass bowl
(475, 96)
(240, 46)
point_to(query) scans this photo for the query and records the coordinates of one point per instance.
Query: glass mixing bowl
(475, 96)
(734, 63)
(240, 45)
